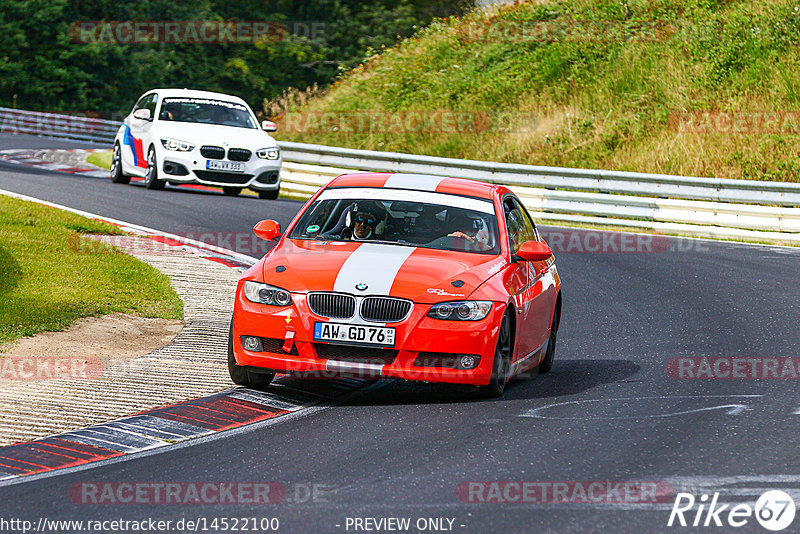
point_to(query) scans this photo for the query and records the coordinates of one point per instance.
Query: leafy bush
(44, 63)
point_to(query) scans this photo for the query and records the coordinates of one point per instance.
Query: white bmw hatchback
(197, 137)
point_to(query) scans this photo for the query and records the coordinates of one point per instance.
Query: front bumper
(416, 334)
(190, 168)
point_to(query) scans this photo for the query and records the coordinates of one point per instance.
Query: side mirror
(269, 126)
(142, 114)
(534, 251)
(267, 229)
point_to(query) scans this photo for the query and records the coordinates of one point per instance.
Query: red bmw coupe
(400, 275)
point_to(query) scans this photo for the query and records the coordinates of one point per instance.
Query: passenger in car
(471, 230)
(171, 112)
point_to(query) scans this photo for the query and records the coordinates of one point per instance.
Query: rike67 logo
(774, 510)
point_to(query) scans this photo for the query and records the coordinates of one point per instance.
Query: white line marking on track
(731, 409)
(135, 227)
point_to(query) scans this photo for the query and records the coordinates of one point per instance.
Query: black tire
(116, 167)
(269, 195)
(240, 375)
(231, 191)
(502, 363)
(550, 354)
(151, 180)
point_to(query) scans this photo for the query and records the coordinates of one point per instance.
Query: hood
(422, 275)
(214, 134)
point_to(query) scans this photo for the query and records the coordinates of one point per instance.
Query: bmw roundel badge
(361, 286)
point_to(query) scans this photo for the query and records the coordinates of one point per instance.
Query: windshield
(409, 218)
(206, 111)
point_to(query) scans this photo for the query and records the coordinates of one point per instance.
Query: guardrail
(633, 183)
(700, 207)
(60, 126)
(703, 207)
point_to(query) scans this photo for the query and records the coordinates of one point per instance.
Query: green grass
(584, 83)
(48, 280)
(101, 159)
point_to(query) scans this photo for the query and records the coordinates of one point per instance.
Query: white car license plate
(354, 333)
(230, 166)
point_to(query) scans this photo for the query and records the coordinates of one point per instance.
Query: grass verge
(48, 281)
(100, 159)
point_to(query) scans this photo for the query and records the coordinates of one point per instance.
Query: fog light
(468, 361)
(253, 344)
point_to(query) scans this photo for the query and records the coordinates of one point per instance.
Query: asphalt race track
(609, 411)
(178, 211)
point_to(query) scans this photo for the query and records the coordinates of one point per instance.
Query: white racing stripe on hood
(419, 182)
(372, 264)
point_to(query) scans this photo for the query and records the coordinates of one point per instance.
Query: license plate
(230, 166)
(354, 333)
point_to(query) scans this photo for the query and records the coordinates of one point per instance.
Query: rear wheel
(231, 191)
(151, 180)
(269, 195)
(117, 176)
(502, 363)
(550, 355)
(240, 375)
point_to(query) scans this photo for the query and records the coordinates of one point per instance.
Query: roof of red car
(417, 182)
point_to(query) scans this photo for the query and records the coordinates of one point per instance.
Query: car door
(534, 299)
(141, 132)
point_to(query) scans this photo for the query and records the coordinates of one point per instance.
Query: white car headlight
(269, 153)
(266, 294)
(176, 145)
(461, 310)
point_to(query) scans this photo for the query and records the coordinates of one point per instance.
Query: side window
(141, 103)
(151, 104)
(147, 102)
(527, 217)
(519, 225)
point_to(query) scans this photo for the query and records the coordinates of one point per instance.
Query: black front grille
(345, 353)
(221, 177)
(212, 152)
(442, 359)
(176, 169)
(239, 154)
(384, 309)
(334, 305)
(268, 177)
(436, 359)
(271, 344)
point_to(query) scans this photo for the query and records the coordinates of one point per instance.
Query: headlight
(266, 294)
(269, 153)
(461, 310)
(174, 144)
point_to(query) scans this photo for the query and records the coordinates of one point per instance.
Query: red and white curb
(40, 159)
(211, 252)
(32, 158)
(167, 425)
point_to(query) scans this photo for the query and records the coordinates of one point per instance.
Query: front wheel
(502, 363)
(151, 180)
(240, 375)
(117, 176)
(269, 195)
